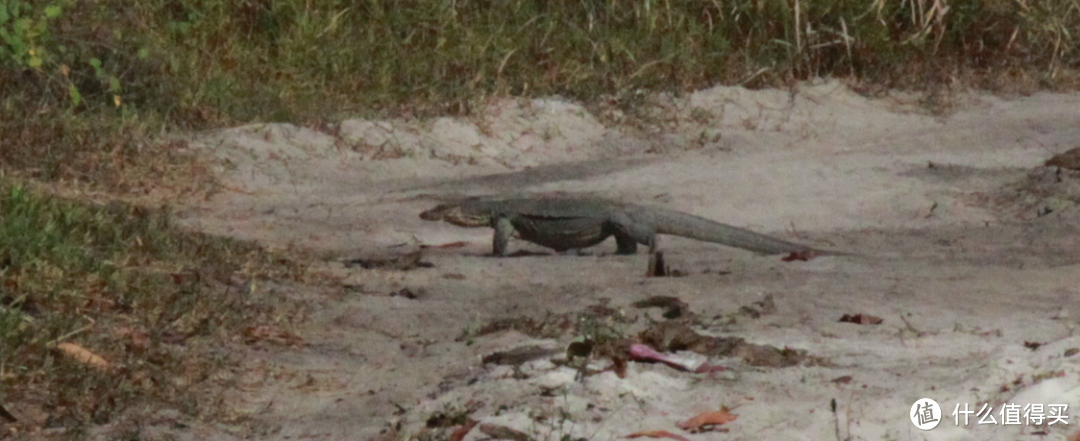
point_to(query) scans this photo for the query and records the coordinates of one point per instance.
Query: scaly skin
(564, 223)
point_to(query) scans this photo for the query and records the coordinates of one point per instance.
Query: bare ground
(967, 248)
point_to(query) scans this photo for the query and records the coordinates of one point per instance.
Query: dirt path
(969, 252)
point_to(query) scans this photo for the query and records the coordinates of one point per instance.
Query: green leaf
(35, 61)
(52, 11)
(96, 63)
(143, 54)
(76, 97)
(114, 84)
(21, 24)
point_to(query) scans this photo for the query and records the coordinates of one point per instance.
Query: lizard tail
(695, 227)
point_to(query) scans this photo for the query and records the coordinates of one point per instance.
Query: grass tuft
(156, 304)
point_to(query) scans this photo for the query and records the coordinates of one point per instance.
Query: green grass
(156, 303)
(81, 79)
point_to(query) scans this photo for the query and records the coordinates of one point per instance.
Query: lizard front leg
(626, 243)
(503, 230)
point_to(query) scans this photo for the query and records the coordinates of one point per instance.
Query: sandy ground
(967, 249)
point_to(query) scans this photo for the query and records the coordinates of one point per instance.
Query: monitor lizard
(563, 223)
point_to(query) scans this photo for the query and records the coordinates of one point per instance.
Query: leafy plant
(23, 32)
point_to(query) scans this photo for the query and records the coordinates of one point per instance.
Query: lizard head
(455, 214)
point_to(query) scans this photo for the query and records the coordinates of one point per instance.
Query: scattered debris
(579, 349)
(446, 245)
(1071, 351)
(684, 361)
(801, 256)
(658, 434)
(769, 356)
(519, 356)
(460, 431)
(1069, 159)
(673, 307)
(1033, 345)
(676, 335)
(266, 333)
(137, 340)
(707, 421)
(846, 379)
(759, 308)
(451, 418)
(7, 415)
(861, 319)
(395, 262)
(406, 293)
(502, 432)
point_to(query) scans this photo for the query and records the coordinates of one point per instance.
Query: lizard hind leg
(629, 234)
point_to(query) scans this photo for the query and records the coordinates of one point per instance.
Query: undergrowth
(155, 305)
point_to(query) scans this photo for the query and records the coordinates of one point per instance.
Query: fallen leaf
(683, 362)
(1069, 159)
(801, 256)
(658, 434)
(82, 355)
(704, 421)
(519, 356)
(502, 432)
(7, 415)
(1033, 345)
(446, 245)
(861, 319)
(842, 380)
(460, 431)
(619, 366)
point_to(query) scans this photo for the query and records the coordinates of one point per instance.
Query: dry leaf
(260, 333)
(861, 319)
(502, 432)
(842, 380)
(459, 432)
(702, 421)
(7, 415)
(658, 434)
(446, 245)
(801, 256)
(82, 355)
(1069, 159)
